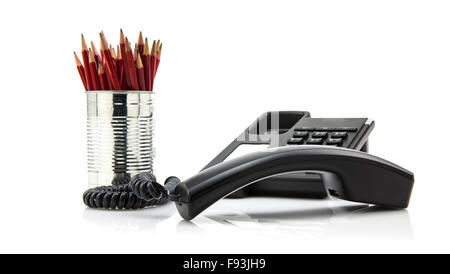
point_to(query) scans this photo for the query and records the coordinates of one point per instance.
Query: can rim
(119, 91)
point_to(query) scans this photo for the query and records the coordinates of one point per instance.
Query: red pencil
(120, 69)
(127, 79)
(141, 44)
(93, 71)
(158, 57)
(96, 55)
(102, 77)
(103, 38)
(108, 63)
(152, 64)
(113, 54)
(108, 46)
(114, 58)
(147, 65)
(131, 66)
(136, 52)
(80, 69)
(140, 72)
(85, 56)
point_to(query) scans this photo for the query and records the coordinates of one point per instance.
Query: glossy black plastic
(347, 174)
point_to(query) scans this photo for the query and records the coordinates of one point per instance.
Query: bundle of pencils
(121, 69)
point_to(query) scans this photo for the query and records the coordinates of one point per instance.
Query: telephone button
(295, 141)
(339, 135)
(301, 134)
(314, 141)
(319, 134)
(334, 141)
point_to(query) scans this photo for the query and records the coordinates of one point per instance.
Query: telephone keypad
(331, 136)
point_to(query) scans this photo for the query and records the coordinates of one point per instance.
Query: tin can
(120, 129)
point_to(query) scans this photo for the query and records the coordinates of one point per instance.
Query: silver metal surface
(119, 135)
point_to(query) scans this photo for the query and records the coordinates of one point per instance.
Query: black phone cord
(141, 191)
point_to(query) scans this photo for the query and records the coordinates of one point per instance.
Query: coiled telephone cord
(141, 191)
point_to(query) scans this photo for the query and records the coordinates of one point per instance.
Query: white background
(223, 64)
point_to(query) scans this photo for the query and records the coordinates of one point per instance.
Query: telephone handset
(347, 174)
(308, 157)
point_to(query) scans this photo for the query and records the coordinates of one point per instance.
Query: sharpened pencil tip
(140, 39)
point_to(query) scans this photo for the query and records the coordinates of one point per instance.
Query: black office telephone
(307, 157)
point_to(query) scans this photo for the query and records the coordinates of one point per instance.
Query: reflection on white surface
(330, 217)
(124, 219)
(309, 217)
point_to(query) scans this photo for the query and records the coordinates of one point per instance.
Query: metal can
(119, 135)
